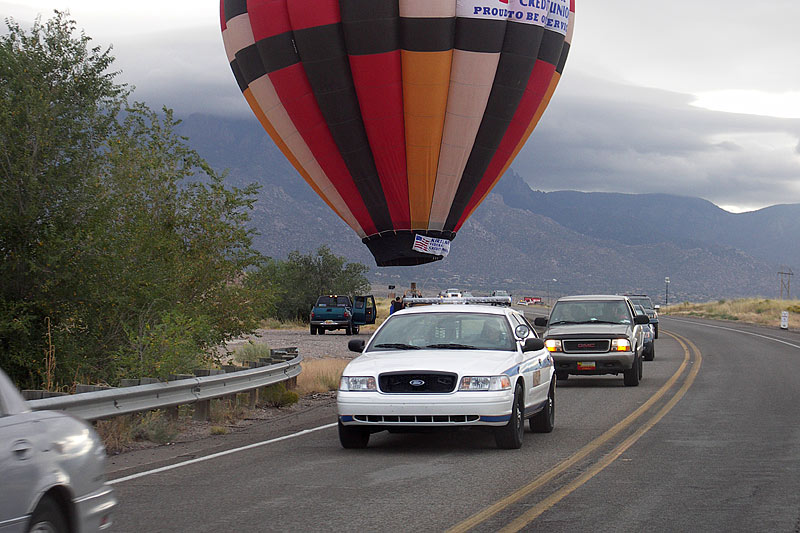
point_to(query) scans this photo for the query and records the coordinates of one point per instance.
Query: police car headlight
(357, 383)
(470, 383)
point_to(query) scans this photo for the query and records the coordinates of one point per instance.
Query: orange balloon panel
(401, 114)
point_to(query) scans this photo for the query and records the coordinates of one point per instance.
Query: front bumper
(94, 511)
(473, 408)
(604, 363)
(330, 324)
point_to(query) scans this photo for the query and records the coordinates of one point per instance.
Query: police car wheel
(509, 437)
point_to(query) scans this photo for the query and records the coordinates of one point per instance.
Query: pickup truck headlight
(469, 383)
(357, 383)
(620, 345)
(553, 345)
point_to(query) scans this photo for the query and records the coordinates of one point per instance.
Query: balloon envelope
(401, 114)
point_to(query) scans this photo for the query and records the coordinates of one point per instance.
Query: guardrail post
(202, 410)
(253, 398)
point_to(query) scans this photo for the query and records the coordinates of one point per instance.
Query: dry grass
(382, 306)
(320, 375)
(250, 352)
(752, 310)
(274, 323)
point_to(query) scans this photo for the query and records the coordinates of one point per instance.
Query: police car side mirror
(356, 345)
(540, 321)
(639, 319)
(533, 345)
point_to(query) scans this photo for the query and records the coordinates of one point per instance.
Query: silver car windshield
(611, 312)
(444, 331)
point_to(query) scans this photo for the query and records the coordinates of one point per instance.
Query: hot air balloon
(400, 114)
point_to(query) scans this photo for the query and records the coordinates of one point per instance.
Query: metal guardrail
(126, 400)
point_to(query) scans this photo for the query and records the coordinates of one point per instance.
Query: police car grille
(586, 345)
(417, 382)
(417, 419)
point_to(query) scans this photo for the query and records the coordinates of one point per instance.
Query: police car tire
(353, 437)
(509, 437)
(631, 376)
(545, 420)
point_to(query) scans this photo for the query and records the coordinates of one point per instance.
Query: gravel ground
(331, 344)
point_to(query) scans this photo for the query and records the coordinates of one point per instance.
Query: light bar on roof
(491, 300)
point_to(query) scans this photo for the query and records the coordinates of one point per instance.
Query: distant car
(595, 334)
(52, 470)
(448, 365)
(649, 308)
(451, 293)
(648, 340)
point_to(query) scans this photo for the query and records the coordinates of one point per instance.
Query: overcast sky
(696, 99)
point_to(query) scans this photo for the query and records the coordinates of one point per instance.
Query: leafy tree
(296, 283)
(111, 228)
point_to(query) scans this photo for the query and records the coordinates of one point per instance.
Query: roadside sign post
(784, 319)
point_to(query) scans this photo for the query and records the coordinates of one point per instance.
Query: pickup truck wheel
(562, 376)
(631, 376)
(313, 330)
(545, 420)
(320, 331)
(509, 437)
(348, 330)
(352, 437)
(356, 329)
(655, 331)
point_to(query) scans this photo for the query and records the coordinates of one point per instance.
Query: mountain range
(527, 241)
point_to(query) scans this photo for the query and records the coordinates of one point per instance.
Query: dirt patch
(331, 344)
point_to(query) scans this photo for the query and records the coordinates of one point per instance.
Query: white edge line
(735, 330)
(218, 454)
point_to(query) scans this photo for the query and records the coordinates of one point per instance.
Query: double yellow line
(532, 513)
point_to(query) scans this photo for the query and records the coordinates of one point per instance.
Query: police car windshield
(444, 331)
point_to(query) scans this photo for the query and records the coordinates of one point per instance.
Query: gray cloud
(599, 136)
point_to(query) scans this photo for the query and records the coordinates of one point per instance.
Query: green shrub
(277, 396)
(155, 426)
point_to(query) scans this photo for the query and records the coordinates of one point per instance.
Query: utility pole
(785, 279)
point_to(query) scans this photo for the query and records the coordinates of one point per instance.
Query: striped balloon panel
(372, 38)
(320, 45)
(551, 56)
(427, 32)
(478, 42)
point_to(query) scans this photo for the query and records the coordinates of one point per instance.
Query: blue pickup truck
(339, 312)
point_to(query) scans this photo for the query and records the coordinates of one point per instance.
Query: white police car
(448, 365)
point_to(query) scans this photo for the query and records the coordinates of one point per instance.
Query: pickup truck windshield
(333, 301)
(613, 312)
(444, 331)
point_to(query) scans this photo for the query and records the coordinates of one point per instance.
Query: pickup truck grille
(586, 345)
(417, 382)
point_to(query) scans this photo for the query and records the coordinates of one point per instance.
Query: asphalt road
(709, 441)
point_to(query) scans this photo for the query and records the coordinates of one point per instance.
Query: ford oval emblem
(416, 383)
